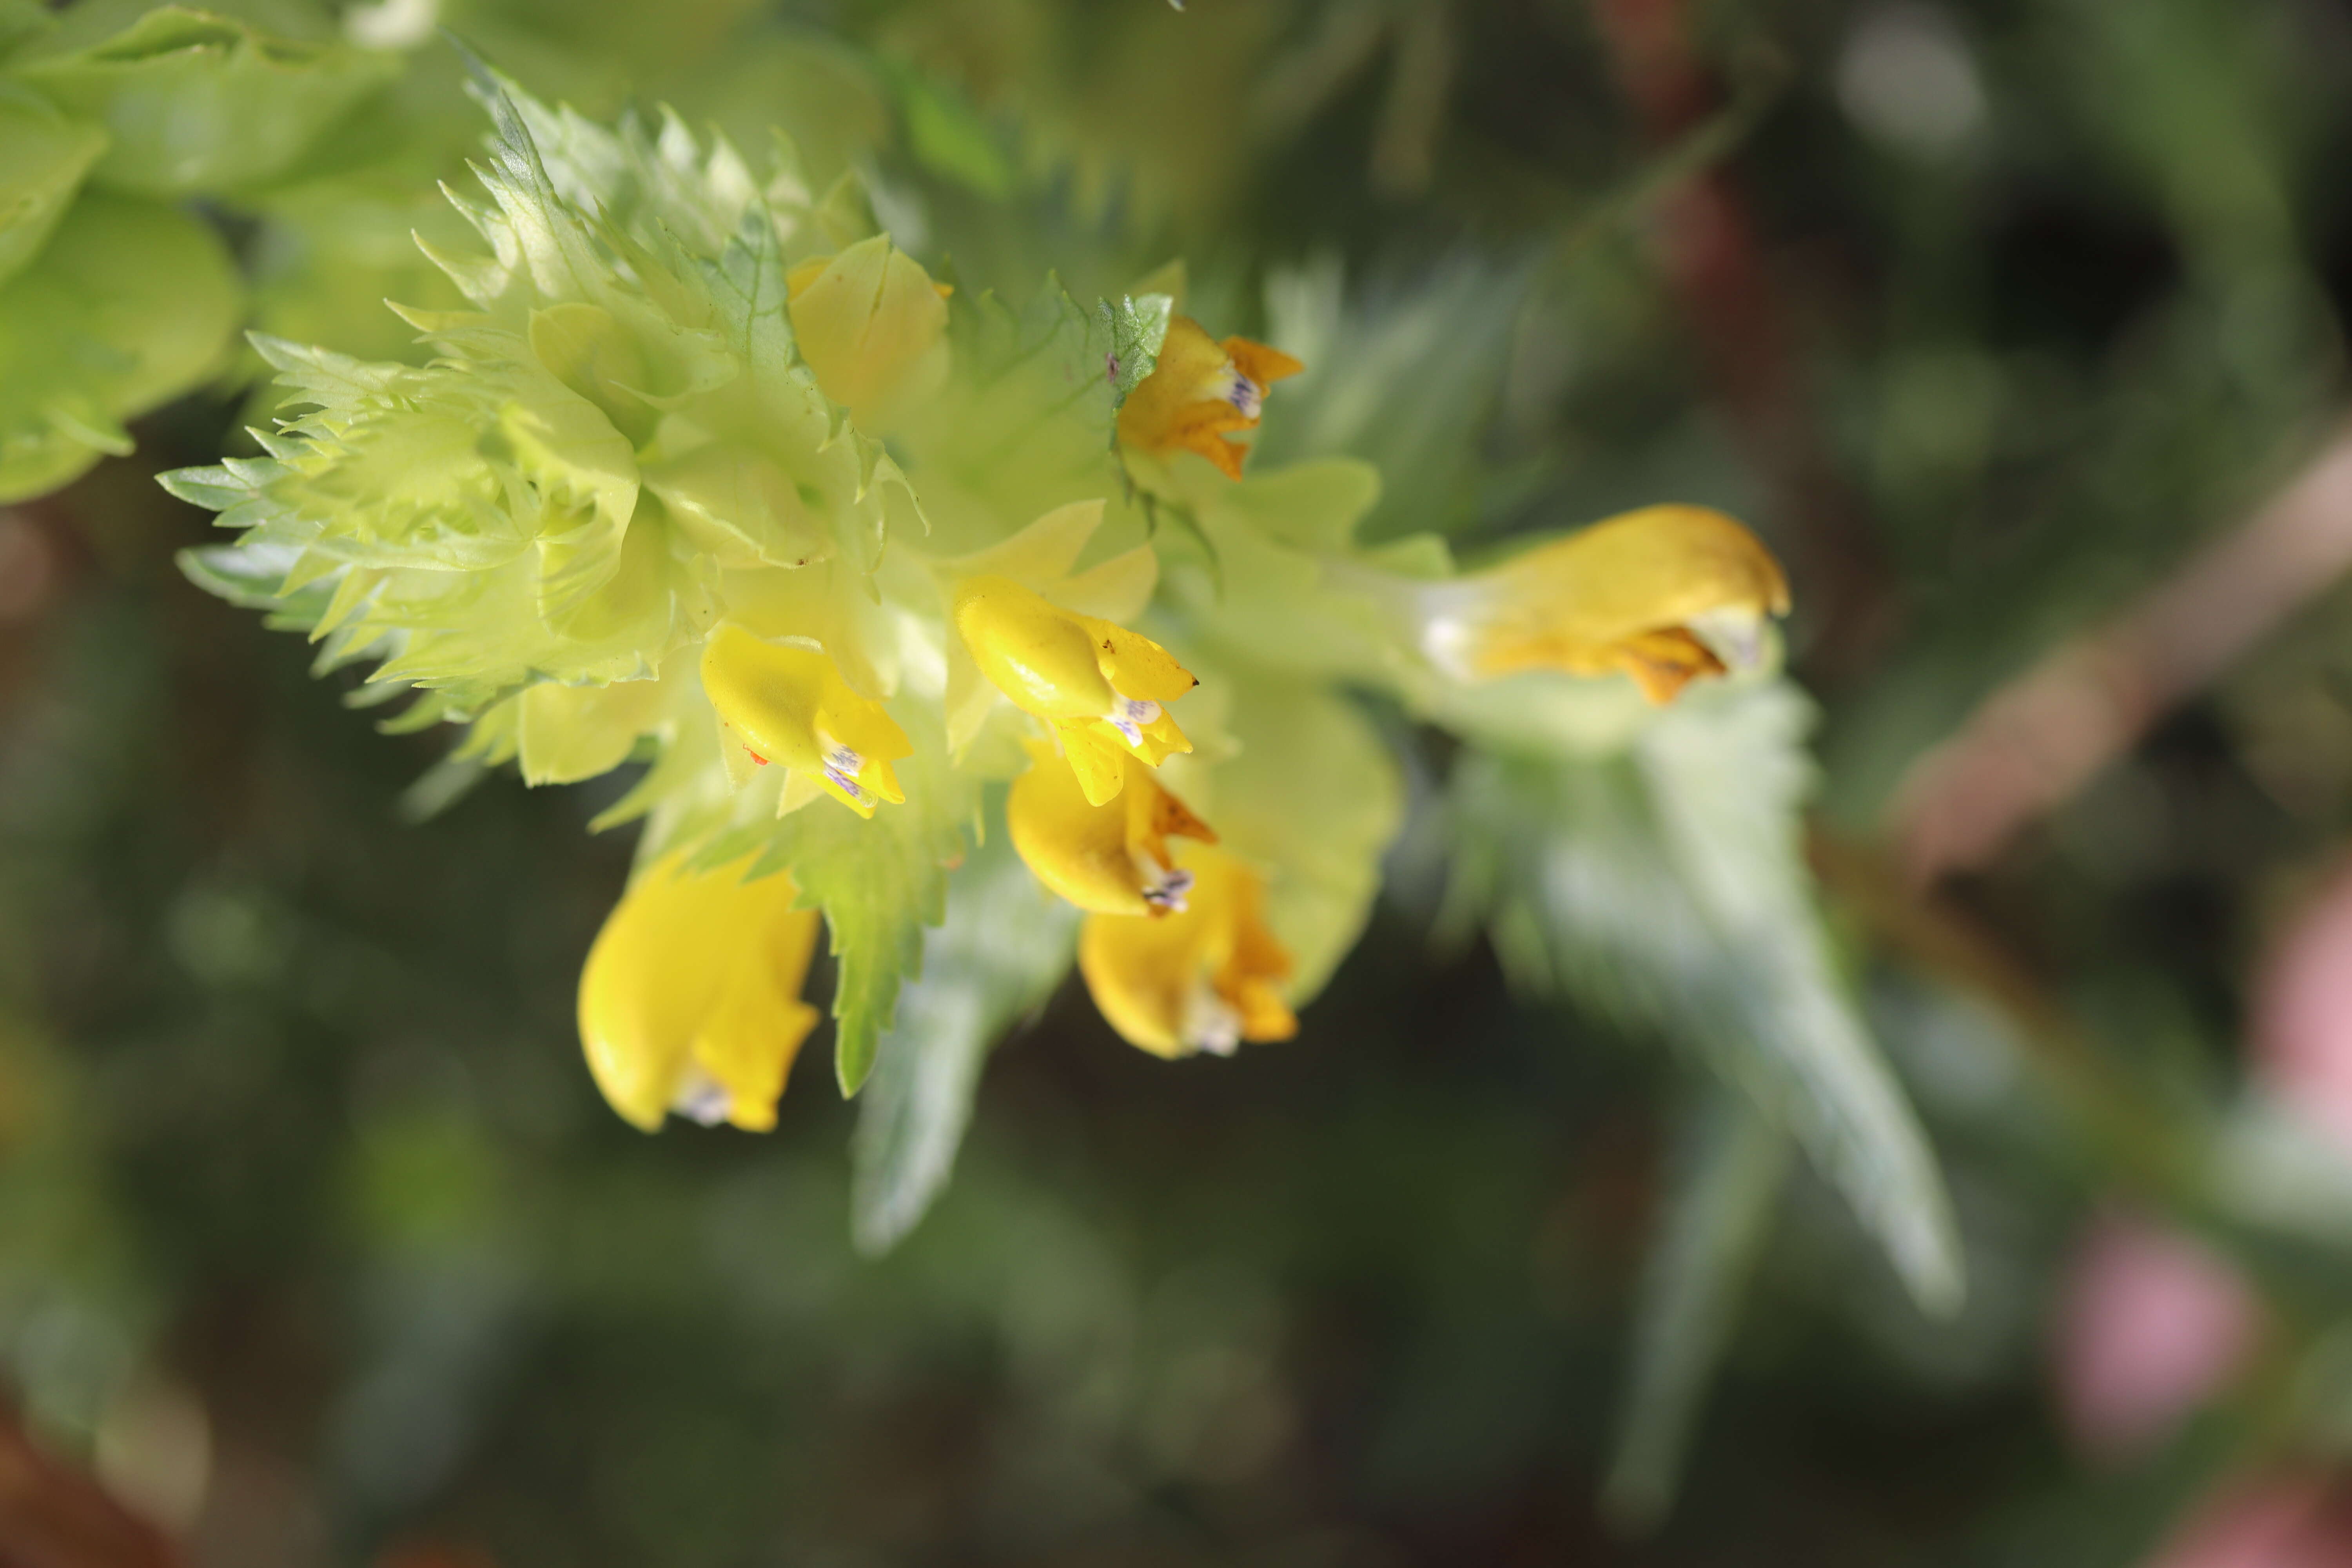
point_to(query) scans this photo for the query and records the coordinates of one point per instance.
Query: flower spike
(1205, 979)
(779, 703)
(1104, 688)
(1200, 390)
(1665, 595)
(1111, 858)
(690, 999)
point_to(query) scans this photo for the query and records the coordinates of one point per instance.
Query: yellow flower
(1665, 595)
(690, 998)
(1200, 390)
(872, 325)
(1204, 980)
(780, 703)
(1104, 688)
(1110, 858)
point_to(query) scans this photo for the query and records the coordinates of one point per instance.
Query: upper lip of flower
(1103, 687)
(788, 704)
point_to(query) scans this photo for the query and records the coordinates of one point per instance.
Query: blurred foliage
(1984, 316)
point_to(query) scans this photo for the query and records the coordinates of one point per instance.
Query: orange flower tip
(757, 760)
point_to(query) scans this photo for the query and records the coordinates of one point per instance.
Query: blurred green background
(317, 1246)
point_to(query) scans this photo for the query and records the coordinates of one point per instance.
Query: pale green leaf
(1406, 376)
(1664, 886)
(1717, 1218)
(1005, 946)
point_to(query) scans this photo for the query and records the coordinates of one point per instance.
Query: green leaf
(880, 882)
(1136, 329)
(1663, 886)
(200, 104)
(253, 577)
(1004, 948)
(1314, 792)
(23, 23)
(1718, 1216)
(43, 157)
(948, 136)
(130, 305)
(1406, 378)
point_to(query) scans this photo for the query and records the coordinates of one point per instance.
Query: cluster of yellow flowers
(715, 476)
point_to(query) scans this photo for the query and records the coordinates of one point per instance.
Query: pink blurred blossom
(2150, 1325)
(2295, 1522)
(2301, 1036)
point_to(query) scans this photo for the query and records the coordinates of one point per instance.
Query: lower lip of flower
(1129, 717)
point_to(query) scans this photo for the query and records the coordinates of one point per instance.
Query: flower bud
(873, 326)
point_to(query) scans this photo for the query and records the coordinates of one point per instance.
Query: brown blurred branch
(54, 1517)
(2038, 740)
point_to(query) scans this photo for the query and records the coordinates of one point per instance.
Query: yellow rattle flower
(781, 703)
(1200, 390)
(1110, 858)
(1665, 595)
(690, 998)
(1105, 689)
(1202, 980)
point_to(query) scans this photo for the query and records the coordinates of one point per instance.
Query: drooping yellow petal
(1199, 392)
(873, 326)
(1103, 687)
(690, 997)
(1204, 980)
(1663, 594)
(780, 703)
(1111, 858)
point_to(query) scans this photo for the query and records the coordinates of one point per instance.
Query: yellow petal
(1043, 658)
(690, 996)
(1200, 391)
(1110, 857)
(1652, 593)
(872, 328)
(1102, 686)
(1204, 980)
(789, 705)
